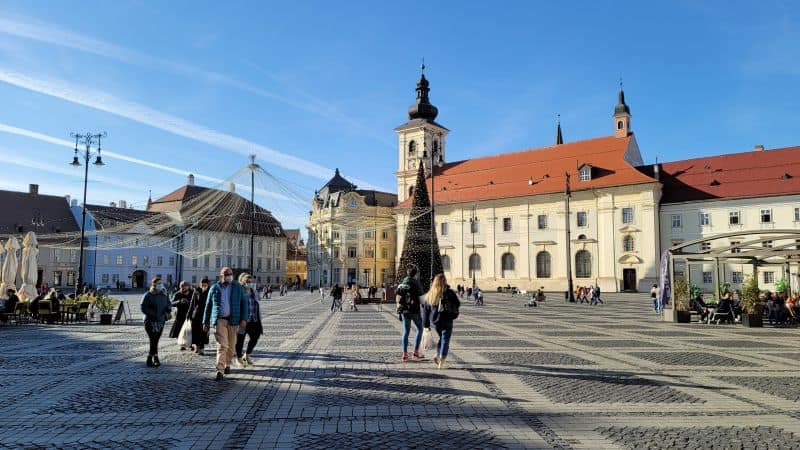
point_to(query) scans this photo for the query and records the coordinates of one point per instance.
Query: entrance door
(629, 280)
(352, 276)
(137, 279)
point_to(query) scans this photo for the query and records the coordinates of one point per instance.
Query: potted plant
(752, 309)
(681, 295)
(105, 305)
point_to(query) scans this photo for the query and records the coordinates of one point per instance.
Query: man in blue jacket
(227, 311)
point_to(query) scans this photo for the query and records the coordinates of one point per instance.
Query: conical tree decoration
(417, 244)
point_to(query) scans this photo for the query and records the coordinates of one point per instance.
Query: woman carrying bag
(196, 310)
(156, 310)
(439, 312)
(181, 300)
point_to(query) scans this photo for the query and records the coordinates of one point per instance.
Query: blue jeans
(444, 340)
(407, 319)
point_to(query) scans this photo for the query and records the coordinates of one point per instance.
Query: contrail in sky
(166, 122)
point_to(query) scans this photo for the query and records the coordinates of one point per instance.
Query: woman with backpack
(408, 307)
(439, 311)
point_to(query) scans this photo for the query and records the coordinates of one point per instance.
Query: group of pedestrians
(228, 306)
(438, 311)
(588, 294)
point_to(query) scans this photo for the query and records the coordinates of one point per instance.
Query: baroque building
(351, 235)
(296, 258)
(502, 219)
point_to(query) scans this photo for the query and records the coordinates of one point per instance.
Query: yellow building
(296, 258)
(502, 220)
(351, 235)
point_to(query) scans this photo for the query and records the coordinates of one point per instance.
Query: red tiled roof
(507, 175)
(735, 175)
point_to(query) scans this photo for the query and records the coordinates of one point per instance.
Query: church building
(524, 218)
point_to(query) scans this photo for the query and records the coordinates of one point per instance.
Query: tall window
(506, 223)
(707, 278)
(105, 259)
(736, 277)
(171, 260)
(507, 263)
(628, 243)
(766, 216)
(733, 218)
(627, 215)
(582, 218)
(119, 260)
(541, 221)
(159, 261)
(384, 253)
(445, 263)
(677, 221)
(368, 234)
(260, 247)
(797, 214)
(207, 261)
(412, 148)
(385, 235)
(218, 262)
(583, 264)
(474, 263)
(769, 277)
(134, 260)
(443, 227)
(543, 265)
(705, 219)
(352, 252)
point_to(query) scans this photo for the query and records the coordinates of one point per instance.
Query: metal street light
(567, 194)
(473, 223)
(87, 139)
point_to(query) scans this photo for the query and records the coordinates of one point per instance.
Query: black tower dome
(422, 108)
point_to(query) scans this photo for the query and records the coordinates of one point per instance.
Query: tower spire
(559, 137)
(622, 115)
(422, 108)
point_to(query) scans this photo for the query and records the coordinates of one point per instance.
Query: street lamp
(473, 223)
(567, 194)
(87, 139)
(435, 157)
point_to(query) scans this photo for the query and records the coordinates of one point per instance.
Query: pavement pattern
(557, 376)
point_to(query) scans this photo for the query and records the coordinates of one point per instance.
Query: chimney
(112, 204)
(123, 204)
(758, 148)
(190, 180)
(657, 171)
(33, 189)
(232, 186)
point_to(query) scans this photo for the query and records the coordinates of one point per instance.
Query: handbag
(428, 342)
(185, 335)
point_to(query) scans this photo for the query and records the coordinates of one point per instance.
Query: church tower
(622, 116)
(418, 139)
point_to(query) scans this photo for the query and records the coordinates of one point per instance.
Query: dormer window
(585, 172)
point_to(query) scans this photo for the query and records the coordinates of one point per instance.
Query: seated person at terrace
(725, 307)
(699, 306)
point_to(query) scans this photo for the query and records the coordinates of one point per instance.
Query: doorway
(137, 279)
(629, 280)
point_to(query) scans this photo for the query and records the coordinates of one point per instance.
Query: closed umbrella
(10, 266)
(29, 270)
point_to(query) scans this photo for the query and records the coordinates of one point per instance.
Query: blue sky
(186, 86)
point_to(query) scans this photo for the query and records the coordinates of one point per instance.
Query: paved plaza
(557, 376)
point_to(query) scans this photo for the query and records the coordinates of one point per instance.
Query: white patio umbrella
(29, 270)
(10, 266)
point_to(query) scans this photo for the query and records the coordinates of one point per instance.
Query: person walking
(321, 294)
(196, 313)
(336, 295)
(253, 329)
(227, 310)
(408, 296)
(156, 309)
(181, 301)
(439, 311)
(654, 296)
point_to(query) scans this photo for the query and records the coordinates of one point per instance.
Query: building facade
(502, 220)
(215, 232)
(742, 197)
(296, 259)
(351, 235)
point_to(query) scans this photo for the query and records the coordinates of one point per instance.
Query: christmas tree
(417, 244)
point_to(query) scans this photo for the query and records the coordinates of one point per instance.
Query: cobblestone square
(516, 378)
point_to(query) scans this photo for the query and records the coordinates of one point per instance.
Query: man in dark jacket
(408, 296)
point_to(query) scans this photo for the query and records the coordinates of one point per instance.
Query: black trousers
(252, 330)
(154, 336)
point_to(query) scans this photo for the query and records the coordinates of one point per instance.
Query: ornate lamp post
(567, 194)
(473, 223)
(87, 139)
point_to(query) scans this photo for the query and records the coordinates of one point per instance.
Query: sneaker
(227, 370)
(405, 356)
(156, 362)
(248, 360)
(219, 376)
(241, 361)
(418, 355)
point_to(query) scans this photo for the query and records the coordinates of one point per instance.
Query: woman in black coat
(181, 300)
(196, 310)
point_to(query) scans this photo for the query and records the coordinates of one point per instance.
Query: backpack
(449, 306)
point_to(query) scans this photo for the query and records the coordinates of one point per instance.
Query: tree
(417, 244)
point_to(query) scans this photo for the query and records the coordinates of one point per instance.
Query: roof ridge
(741, 153)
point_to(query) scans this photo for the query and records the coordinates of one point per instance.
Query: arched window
(619, 126)
(507, 263)
(474, 263)
(412, 146)
(543, 265)
(583, 264)
(445, 263)
(628, 243)
(581, 237)
(435, 148)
